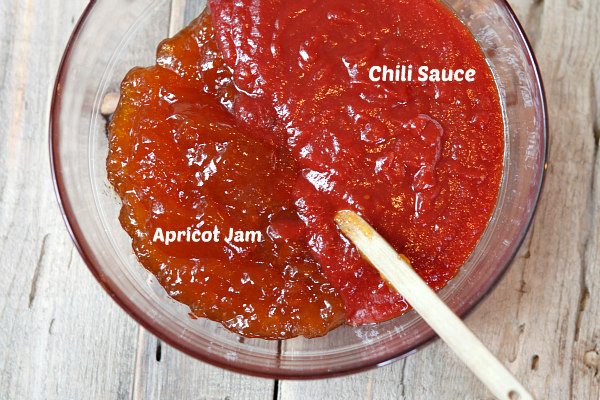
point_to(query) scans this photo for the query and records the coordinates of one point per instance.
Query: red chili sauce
(262, 116)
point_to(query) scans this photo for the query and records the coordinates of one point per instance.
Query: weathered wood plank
(558, 316)
(61, 336)
(165, 373)
(161, 371)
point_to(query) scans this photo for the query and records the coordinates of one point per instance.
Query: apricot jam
(261, 116)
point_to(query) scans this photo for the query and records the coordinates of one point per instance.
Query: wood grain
(60, 334)
(165, 373)
(162, 372)
(61, 337)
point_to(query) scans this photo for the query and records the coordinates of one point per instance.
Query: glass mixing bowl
(115, 35)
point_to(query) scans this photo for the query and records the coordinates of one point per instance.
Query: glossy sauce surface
(261, 123)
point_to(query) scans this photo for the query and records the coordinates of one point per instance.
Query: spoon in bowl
(396, 270)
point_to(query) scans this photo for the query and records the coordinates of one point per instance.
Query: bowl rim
(140, 317)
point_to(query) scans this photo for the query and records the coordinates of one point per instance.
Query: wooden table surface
(62, 337)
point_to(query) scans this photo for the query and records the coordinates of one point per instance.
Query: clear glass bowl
(115, 35)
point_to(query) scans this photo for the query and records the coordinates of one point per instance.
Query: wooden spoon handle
(397, 271)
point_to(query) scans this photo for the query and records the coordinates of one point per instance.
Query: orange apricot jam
(261, 117)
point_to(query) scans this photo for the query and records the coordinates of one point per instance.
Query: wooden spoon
(396, 270)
